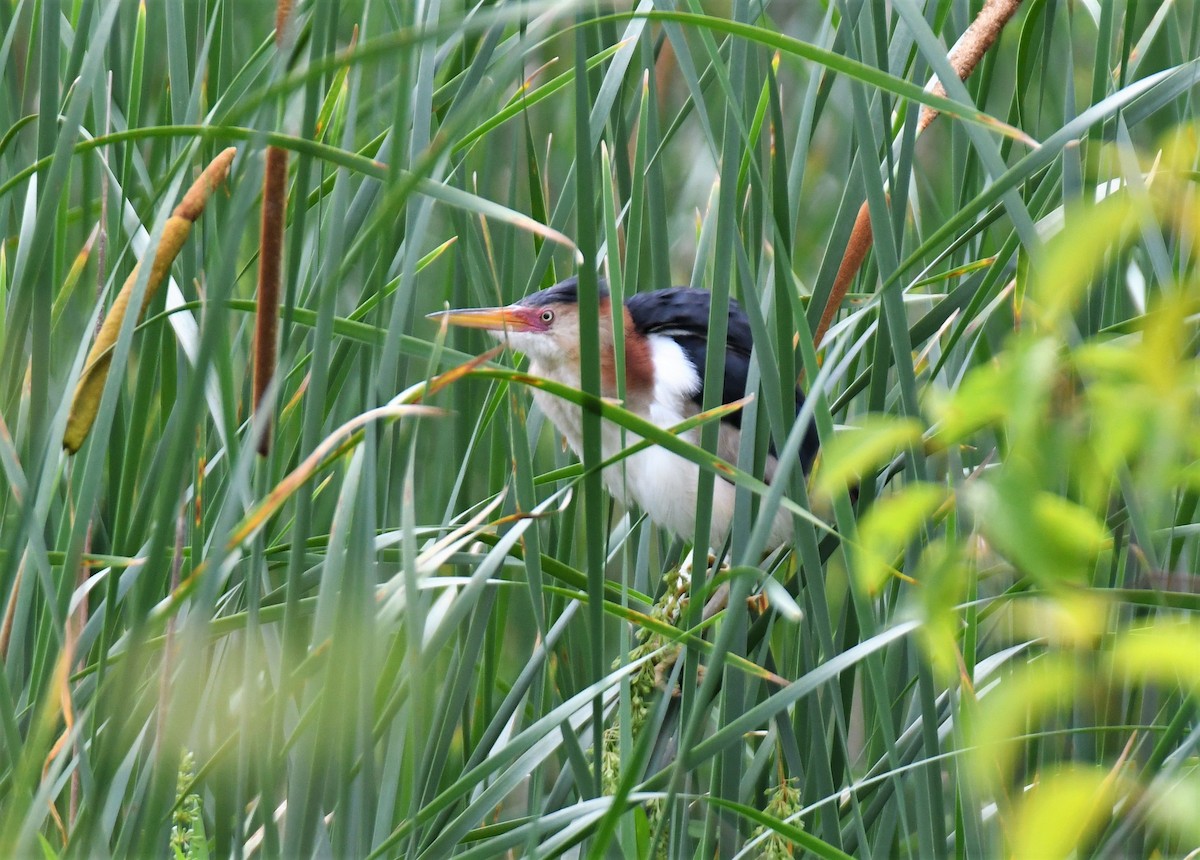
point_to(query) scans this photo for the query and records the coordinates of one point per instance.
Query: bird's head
(544, 325)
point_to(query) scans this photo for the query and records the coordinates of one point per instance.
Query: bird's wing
(681, 313)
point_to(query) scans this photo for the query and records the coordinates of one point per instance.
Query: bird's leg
(688, 564)
(662, 672)
(718, 601)
(720, 597)
(673, 603)
(756, 603)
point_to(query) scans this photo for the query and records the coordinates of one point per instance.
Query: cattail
(970, 48)
(95, 370)
(964, 57)
(270, 258)
(856, 251)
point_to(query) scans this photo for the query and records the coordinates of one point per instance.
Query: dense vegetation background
(407, 633)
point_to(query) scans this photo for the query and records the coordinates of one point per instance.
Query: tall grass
(417, 627)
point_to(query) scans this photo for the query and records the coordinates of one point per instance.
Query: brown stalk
(856, 251)
(964, 57)
(969, 50)
(270, 259)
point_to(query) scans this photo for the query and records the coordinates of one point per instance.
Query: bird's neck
(564, 372)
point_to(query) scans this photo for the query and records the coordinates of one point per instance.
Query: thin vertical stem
(270, 258)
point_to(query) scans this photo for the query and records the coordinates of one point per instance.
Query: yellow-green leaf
(887, 528)
(1061, 811)
(1167, 654)
(1042, 534)
(854, 452)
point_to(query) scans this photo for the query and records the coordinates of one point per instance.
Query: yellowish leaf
(1166, 654)
(1055, 816)
(853, 453)
(887, 528)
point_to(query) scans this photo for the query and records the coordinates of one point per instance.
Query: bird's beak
(510, 318)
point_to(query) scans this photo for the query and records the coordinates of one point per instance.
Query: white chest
(661, 483)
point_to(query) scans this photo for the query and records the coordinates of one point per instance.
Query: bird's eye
(547, 316)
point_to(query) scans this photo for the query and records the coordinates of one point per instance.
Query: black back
(681, 313)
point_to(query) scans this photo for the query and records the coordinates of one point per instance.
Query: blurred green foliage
(421, 632)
